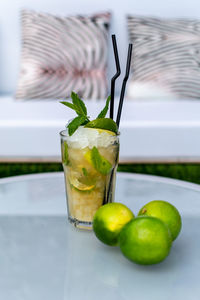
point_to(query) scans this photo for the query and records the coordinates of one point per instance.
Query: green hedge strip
(188, 172)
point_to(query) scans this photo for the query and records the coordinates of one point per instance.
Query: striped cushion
(61, 54)
(166, 58)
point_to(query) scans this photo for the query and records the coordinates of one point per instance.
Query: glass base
(80, 224)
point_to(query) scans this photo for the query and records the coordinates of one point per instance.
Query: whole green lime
(109, 220)
(145, 240)
(166, 212)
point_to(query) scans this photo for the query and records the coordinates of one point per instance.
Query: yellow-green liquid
(88, 189)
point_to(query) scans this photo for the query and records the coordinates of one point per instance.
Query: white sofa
(150, 131)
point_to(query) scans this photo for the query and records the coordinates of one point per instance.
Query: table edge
(133, 176)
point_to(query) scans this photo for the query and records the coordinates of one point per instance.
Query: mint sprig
(75, 123)
(105, 110)
(79, 107)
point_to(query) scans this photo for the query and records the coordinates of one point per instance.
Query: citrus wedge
(75, 183)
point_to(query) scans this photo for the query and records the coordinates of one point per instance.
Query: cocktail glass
(90, 159)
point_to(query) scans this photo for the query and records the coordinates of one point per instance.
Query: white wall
(10, 24)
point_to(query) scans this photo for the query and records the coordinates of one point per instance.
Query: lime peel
(166, 212)
(75, 183)
(109, 221)
(145, 240)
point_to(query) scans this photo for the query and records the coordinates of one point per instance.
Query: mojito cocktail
(90, 158)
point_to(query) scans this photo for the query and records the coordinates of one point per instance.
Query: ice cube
(89, 137)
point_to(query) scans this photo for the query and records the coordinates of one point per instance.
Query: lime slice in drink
(100, 163)
(78, 185)
(104, 130)
(104, 123)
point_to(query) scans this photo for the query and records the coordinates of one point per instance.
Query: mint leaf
(65, 153)
(68, 104)
(75, 123)
(103, 123)
(86, 121)
(100, 163)
(72, 106)
(85, 172)
(105, 110)
(96, 159)
(79, 104)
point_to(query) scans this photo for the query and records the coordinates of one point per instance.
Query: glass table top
(43, 257)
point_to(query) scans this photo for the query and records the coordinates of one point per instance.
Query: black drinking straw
(128, 64)
(118, 72)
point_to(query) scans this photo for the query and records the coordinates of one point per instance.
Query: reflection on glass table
(43, 257)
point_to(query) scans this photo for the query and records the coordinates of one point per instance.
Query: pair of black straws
(117, 74)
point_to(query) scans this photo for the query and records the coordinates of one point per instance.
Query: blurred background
(161, 117)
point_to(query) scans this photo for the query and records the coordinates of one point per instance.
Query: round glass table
(42, 256)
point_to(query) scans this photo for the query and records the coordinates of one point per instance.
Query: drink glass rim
(64, 133)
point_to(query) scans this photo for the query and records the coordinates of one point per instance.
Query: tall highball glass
(90, 159)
